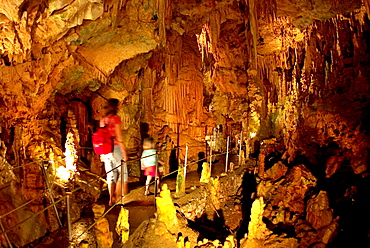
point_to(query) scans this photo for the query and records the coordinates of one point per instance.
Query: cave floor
(140, 208)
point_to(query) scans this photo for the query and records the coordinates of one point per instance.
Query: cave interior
(284, 82)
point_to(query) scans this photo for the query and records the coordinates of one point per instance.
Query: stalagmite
(122, 225)
(206, 174)
(166, 211)
(104, 236)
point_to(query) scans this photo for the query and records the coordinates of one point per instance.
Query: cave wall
(317, 89)
(294, 70)
(313, 126)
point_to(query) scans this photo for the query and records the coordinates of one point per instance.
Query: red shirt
(110, 122)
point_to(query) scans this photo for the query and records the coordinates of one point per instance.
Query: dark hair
(112, 106)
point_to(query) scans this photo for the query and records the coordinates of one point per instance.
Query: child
(149, 162)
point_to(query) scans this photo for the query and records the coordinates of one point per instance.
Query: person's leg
(118, 160)
(112, 189)
(119, 185)
(148, 179)
(108, 165)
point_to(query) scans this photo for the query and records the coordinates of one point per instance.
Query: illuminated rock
(122, 225)
(103, 234)
(259, 235)
(180, 182)
(318, 212)
(166, 211)
(214, 188)
(206, 173)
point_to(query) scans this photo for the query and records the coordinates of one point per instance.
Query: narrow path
(142, 207)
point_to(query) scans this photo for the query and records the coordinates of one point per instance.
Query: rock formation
(287, 78)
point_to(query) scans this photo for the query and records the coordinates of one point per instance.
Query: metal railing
(68, 194)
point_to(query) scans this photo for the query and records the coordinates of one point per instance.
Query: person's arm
(142, 159)
(119, 139)
(101, 123)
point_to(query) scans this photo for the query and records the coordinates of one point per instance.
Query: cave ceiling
(65, 46)
(222, 58)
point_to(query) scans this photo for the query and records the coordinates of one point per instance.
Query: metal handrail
(136, 159)
(16, 209)
(53, 204)
(41, 211)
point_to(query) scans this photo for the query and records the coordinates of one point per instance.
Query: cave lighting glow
(204, 42)
(252, 135)
(66, 173)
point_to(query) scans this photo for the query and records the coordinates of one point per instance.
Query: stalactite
(147, 96)
(79, 110)
(204, 42)
(173, 57)
(266, 10)
(181, 99)
(164, 10)
(312, 69)
(214, 30)
(367, 6)
(253, 25)
(116, 8)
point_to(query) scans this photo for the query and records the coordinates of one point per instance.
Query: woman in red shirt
(112, 161)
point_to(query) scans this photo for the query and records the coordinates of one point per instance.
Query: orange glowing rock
(206, 173)
(166, 211)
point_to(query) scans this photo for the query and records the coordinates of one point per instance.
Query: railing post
(215, 138)
(240, 148)
(186, 160)
(210, 156)
(122, 182)
(156, 177)
(50, 193)
(69, 224)
(227, 153)
(5, 234)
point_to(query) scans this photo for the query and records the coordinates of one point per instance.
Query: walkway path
(140, 208)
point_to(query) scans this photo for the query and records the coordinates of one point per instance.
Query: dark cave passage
(210, 229)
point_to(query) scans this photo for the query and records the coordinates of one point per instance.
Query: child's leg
(148, 179)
